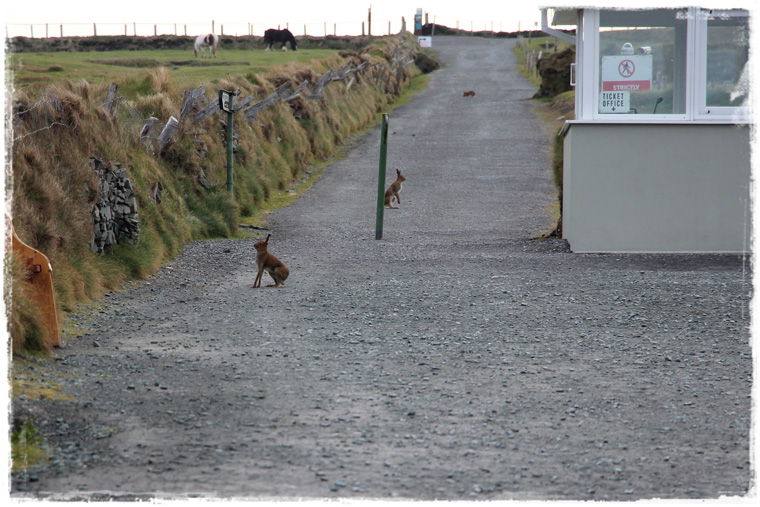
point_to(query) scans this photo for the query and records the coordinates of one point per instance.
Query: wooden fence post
(148, 127)
(167, 133)
(111, 100)
(189, 98)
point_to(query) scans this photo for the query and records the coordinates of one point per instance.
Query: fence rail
(47, 30)
(484, 26)
(350, 28)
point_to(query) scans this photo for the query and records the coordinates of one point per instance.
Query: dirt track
(458, 358)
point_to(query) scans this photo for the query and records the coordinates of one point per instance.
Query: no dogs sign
(626, 73)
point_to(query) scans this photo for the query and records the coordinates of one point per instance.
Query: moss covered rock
(555, 73)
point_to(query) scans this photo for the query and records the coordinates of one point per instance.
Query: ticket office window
(642, 62)
(723, 78)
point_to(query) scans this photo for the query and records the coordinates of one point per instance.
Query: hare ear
(267, 240)
(398, 172)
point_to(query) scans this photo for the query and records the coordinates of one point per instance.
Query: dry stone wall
(115, 216)
(115, 213)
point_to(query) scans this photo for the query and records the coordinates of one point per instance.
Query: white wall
(657, 188)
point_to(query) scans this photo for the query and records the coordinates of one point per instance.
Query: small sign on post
(226, 99)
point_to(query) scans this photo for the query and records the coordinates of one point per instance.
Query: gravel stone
(458, 357)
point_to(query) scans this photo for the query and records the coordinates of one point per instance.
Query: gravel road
(458, 358)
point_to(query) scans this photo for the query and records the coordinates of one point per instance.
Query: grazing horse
(206, 41)
(282, 36)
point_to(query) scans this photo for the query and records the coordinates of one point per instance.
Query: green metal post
(229, 145)
(381, 178)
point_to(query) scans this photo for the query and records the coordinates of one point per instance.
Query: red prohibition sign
(626, 68)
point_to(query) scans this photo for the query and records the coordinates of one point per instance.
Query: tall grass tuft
(160, 79)
(159, 104)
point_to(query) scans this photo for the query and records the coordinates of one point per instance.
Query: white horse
(206, 41)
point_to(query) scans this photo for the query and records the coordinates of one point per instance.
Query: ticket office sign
(631, 73)
(615, 102)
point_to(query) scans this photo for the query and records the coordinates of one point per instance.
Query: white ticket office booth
(657, 158)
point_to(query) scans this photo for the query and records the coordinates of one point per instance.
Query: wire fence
(47, 30)
(351, 28)
(484, 26)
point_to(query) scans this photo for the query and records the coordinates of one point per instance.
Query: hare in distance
(393, 190)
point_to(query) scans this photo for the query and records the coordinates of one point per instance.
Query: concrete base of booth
(657, 188)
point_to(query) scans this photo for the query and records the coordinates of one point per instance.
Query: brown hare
(393, 190)
(269, 263)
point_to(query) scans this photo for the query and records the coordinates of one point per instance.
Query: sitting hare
(269, 263)
(393, 190)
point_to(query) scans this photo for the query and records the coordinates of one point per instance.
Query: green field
(32, 71)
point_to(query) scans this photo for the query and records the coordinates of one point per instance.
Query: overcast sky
(234, 15)
(271, 11)
(477, 14)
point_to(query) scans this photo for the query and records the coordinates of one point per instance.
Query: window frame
(642, 117)
(701, 110)
(588, 72)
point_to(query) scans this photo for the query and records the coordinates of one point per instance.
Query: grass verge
(60, 128)
(26, 447)
(553, 113)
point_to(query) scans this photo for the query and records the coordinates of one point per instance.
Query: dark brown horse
(281, 36)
